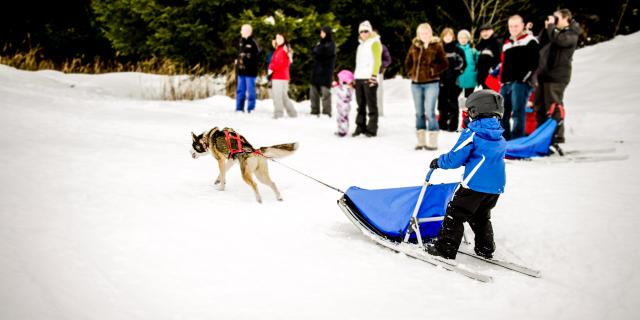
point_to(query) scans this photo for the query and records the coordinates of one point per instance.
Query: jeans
(516, 94)
(246, 84)
(424, 99)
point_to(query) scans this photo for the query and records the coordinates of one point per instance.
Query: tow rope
(231, 136)
(304, 174)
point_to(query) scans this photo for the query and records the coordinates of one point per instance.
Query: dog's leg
(247, 177)
(221, 177)
(262, 173)
(227, 165)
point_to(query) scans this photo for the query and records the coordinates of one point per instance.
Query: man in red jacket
(519, 62)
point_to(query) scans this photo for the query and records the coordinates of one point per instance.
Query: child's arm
(459, 155)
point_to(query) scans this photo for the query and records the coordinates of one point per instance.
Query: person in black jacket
(559, 40)
(489, 50)
(520, 55)
(324, 55)
(247, 69)
(449, 90)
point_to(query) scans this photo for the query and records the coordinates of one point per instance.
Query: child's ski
(506, 264)
(411, 250)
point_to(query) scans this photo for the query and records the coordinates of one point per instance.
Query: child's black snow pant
(472, 207)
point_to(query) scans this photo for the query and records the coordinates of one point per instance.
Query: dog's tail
(279, 150)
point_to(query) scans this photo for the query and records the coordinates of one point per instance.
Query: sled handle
(415, 224)
(429, 175)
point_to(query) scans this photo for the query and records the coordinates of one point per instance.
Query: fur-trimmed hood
(373, 36)
(419, 43)
(424, 65)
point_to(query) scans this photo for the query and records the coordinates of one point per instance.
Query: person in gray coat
(558, 40)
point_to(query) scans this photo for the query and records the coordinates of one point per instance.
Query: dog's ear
(193, 136)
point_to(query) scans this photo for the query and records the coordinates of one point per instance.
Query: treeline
(200, 36)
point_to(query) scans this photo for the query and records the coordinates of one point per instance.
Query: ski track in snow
(104, 215)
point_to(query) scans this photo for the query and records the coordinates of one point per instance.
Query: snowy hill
(104, 215)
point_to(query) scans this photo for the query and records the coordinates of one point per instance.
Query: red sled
(493, 83)
(530, 123)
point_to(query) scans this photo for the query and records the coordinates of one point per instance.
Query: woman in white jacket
(368, 61)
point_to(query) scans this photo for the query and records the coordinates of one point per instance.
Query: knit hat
(365, 25)
(345, 76)
(486, 26)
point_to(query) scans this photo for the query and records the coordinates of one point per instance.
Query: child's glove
(434, 164)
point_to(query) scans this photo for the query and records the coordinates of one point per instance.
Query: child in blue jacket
(481, 149)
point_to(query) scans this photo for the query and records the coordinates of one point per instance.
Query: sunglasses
(364, 31)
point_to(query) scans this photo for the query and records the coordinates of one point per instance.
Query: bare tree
(624, 8)
(492, 11)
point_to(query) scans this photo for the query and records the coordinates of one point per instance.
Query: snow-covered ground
(104, 215)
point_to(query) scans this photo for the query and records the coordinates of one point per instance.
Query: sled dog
(228, 147)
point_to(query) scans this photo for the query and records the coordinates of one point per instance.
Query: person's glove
(373, 81)
(434, 164)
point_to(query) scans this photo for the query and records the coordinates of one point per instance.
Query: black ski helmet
(485, 103)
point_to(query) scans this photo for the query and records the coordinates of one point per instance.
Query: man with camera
(558, 41)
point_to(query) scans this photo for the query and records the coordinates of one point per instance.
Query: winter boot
(422, 139)
(431, 249)
(432, 144)
(483, 252)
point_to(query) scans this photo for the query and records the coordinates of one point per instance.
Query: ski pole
(415, 225)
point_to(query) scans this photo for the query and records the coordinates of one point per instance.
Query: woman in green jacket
(467, 80)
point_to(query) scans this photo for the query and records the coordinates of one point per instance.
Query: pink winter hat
(345, 76)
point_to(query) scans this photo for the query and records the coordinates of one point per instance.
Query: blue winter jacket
(481, 150)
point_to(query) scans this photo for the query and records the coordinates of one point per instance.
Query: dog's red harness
(232, 135)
